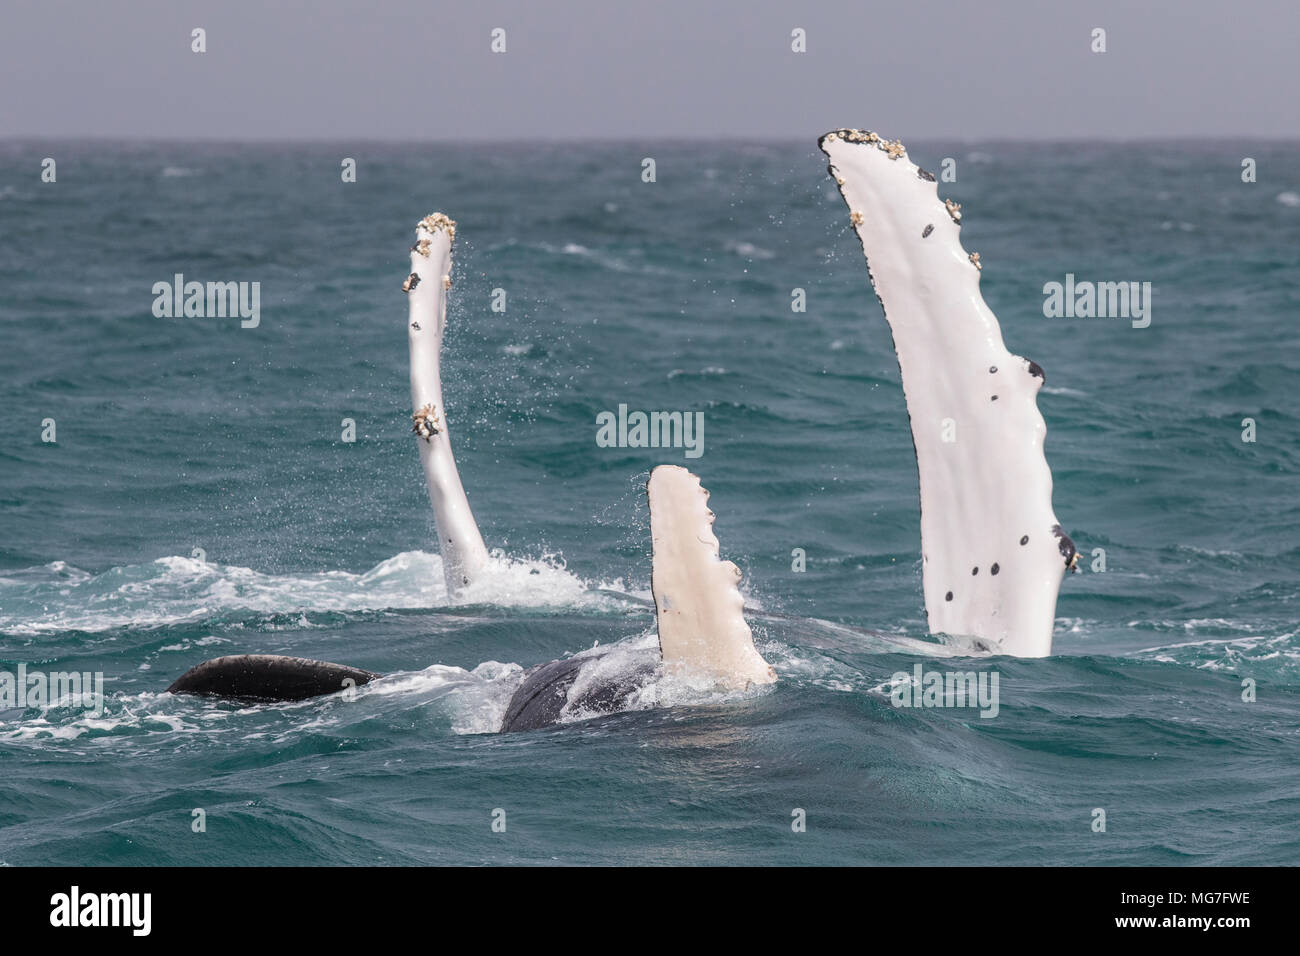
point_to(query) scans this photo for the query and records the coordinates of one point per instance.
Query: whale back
(268, 677)
(549, 689)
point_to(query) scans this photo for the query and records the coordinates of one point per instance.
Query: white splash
(176, 590)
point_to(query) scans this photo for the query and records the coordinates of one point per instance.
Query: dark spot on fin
(1068, 551)
(927, 230)
(1037, 370)
(928, 177)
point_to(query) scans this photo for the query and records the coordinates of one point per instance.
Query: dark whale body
(539, 701)
(268, 677)
(545, 692)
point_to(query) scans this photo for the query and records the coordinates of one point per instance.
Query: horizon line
(605, 139)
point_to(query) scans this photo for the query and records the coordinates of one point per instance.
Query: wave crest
(175, 590)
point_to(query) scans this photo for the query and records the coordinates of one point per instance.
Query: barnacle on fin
(426, 423)
(435, 221)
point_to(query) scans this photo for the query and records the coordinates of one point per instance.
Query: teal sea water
(182, 434)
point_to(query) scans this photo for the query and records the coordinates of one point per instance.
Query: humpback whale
(993, 553)
(699, 611)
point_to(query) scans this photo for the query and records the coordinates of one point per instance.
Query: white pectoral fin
(993, 554)
(698, 606)
(463, 552)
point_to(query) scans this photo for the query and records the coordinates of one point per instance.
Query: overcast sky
(423, 69)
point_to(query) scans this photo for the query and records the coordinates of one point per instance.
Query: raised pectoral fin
(463, 553)
(698, 606)
(993, 554)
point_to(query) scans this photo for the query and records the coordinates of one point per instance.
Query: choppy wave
(174, 590)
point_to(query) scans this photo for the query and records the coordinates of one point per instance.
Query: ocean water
(199, 501)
